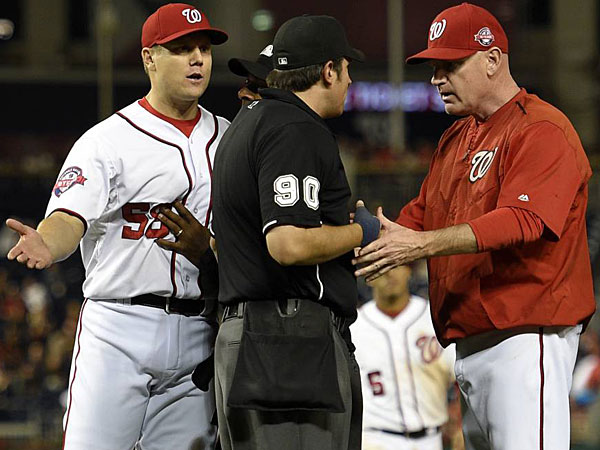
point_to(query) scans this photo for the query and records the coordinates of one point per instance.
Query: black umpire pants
(248, 429)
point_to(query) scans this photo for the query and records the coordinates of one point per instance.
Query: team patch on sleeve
(69, 178)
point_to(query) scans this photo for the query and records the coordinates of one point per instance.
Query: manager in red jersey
(501, 219)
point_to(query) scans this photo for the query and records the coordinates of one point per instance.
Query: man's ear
(328, 73)
(148, 59)
(493, 61)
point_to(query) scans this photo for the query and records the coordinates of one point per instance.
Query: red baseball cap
(459, 32)
(175, 20)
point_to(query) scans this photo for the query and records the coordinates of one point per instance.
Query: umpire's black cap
(307, 40)
(259, 68)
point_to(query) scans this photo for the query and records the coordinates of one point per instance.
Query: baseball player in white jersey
(143, 326)
(405, 373)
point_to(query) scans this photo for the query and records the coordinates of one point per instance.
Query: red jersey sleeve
(541, 175)
(506, 227)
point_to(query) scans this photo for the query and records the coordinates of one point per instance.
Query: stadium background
(65, 64)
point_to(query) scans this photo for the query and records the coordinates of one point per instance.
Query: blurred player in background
(144, 325)
(501, 219)
(405, 373)
(585, 398)
(586, 377)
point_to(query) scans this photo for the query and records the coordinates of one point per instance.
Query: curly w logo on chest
(481, 163)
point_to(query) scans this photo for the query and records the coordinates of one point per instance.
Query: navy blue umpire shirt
(279, 164)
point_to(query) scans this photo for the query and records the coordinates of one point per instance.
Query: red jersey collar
(185, 126)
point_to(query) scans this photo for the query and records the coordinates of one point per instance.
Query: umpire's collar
(290, 97)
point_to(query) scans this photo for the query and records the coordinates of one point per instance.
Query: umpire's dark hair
(301, 79)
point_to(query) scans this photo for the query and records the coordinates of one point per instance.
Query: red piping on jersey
(387, 338)
(74, 372)
(183, 200)
(412, 377)
(541, 388)
(210, 142)
(74, 214)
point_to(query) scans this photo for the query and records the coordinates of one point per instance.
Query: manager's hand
(396, 246)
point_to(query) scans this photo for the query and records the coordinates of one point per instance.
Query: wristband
(369, 223)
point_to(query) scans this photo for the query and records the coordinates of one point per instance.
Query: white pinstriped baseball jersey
(405, 373)
(115, 177)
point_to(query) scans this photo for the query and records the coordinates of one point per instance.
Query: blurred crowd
(38, 319)
(585, 403)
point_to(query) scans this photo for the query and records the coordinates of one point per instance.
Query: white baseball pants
(130, 383)
(515, 388)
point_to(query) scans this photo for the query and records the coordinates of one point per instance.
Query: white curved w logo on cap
(437, 29)
(192, 15)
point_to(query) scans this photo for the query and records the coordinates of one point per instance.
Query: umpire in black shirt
(286, 377)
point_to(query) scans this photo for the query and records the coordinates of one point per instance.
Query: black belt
(411, 434)
(172, 305)
(234, 310)
(237, 310)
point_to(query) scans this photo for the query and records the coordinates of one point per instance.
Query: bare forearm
(399, 245)
(61, 233)
(328, 242)
(291, 245)
(458, 239)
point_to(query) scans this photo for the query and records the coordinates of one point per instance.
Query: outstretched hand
(31, 249)
(396, 246)
(191, 237)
